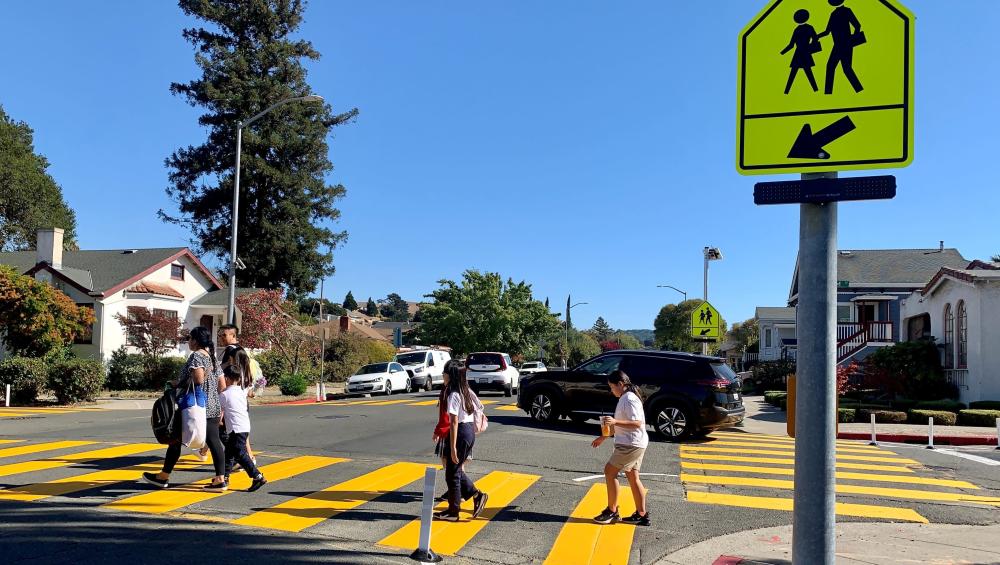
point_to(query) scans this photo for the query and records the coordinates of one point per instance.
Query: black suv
(684, 394)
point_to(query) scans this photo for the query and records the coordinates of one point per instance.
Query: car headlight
(418, 370)
(379, 379)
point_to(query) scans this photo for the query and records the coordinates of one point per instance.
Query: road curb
(922, 439)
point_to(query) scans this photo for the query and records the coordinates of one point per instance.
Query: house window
(177, 272)
(844, 313)
(87, 337)
(963, 336)
(949, 337)
(767, 337)
(169, 314)
(131, 339)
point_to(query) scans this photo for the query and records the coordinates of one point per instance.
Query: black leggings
(215, 445)
(460, 486)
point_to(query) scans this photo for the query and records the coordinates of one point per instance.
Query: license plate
(736, 396)
(485, 380)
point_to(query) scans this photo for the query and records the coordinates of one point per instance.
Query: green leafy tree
(485, 313)
(673, 327)
(349, 302)
(996, 258)
(29, 197)
(371, 309)
(601, 329)
(35, 318)
(249, 60)
(309, 308)
(394, 308)
(625, 340)
(744, 333)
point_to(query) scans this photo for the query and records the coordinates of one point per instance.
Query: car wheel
(408, 386)
(543, 408)
(672, 421)
(388, 387)
(508, 392)
(427, 385)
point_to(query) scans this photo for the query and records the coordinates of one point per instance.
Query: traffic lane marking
(40, 447)
(447, 538)
(7, 441)
(786, 504)
(970, 457)
(170, 499)
(791, 461)
(784, 439)
(907, 479)
(509, 407)
(303, 512)
(81, 457)
(592, 477)
(910, 494)
(78, 483)
(585, 542)
(6, 414)
(791, 447)
(871, 458)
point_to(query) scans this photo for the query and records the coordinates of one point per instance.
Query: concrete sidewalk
(762, 418)
(856, 543)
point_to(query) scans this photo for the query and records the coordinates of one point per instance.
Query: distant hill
(644, 336)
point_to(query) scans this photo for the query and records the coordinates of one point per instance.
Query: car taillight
(716, 382)
(503, 364)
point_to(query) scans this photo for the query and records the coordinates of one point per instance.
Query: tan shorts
(627, 457)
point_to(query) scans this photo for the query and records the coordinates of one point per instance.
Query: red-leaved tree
(269, 323)
(610, 345)
(153, 333)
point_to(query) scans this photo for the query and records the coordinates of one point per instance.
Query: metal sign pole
(815, 401)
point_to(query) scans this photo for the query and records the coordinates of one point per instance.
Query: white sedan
(379, 378)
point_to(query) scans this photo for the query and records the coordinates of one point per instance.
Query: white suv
(492, 371)
(425, 367)
(529, 367)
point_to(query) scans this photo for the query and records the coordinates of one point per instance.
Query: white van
(425, 367)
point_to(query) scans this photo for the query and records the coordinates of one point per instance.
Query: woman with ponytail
(201, 370)
(462, 405)
(631, 439)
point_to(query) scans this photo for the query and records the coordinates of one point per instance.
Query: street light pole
(567, 331)
(233, 259)
(711, 254)
(675, 288)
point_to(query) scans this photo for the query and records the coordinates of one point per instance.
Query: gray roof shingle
(97, 270)
(895, 265)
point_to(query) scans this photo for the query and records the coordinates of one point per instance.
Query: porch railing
(854, 336)
(957, 377)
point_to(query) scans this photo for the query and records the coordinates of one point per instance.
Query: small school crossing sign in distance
(825, 85)
(705, 322)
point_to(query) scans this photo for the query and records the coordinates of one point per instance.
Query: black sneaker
(442, 498)
(217, 487)
(479, 502)
(446, 516)
(607, 517)
(257, 483)
(151, 479)
(636, 520)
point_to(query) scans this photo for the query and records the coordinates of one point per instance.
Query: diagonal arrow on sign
(809, 145)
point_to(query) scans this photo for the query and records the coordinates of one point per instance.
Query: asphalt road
(346, 481)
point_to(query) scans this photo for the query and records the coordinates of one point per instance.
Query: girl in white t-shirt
(631, 440)
(462, 406)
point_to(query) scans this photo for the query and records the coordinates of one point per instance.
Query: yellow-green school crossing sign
(705, 322)
(825, 85)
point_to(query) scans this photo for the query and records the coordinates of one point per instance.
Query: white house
(776, 327)
(113, 281)
(960, 309)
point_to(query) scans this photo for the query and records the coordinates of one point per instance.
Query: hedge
(128, 371)
(293, 385)
(978, 417)
(26, 376)
(985, 405)
(76, 380)
(772, 397)
(945, 404)
(881, 416)
(846, 415)
(941, 417)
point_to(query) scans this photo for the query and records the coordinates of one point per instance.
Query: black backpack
(165, 419)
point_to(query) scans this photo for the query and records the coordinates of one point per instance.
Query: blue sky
(583, 146)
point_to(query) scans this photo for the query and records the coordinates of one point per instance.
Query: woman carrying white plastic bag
(198, 400)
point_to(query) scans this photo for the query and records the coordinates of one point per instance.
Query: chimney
(49, 246)
(345, 324)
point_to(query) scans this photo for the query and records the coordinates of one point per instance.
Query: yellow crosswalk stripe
(844, 489)
(873, 458)
(6, 441)
(791, 461)
(300, 513)
(488, 402)
(449, 537)
(389, 402)
(82, 457)
(510, 407)
(787, 446)
(88, 481)
(170, 499)
(773, 503)
(784, 439)
(908, 479)
(40, 447)
(424, 403)
(48, 410)
(584, 542)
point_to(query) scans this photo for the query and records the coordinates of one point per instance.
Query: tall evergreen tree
(250, 60)
(569, 322)
(546, 302)
(29, 197)
(602, 331)
(349, 302)
(371, 309)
